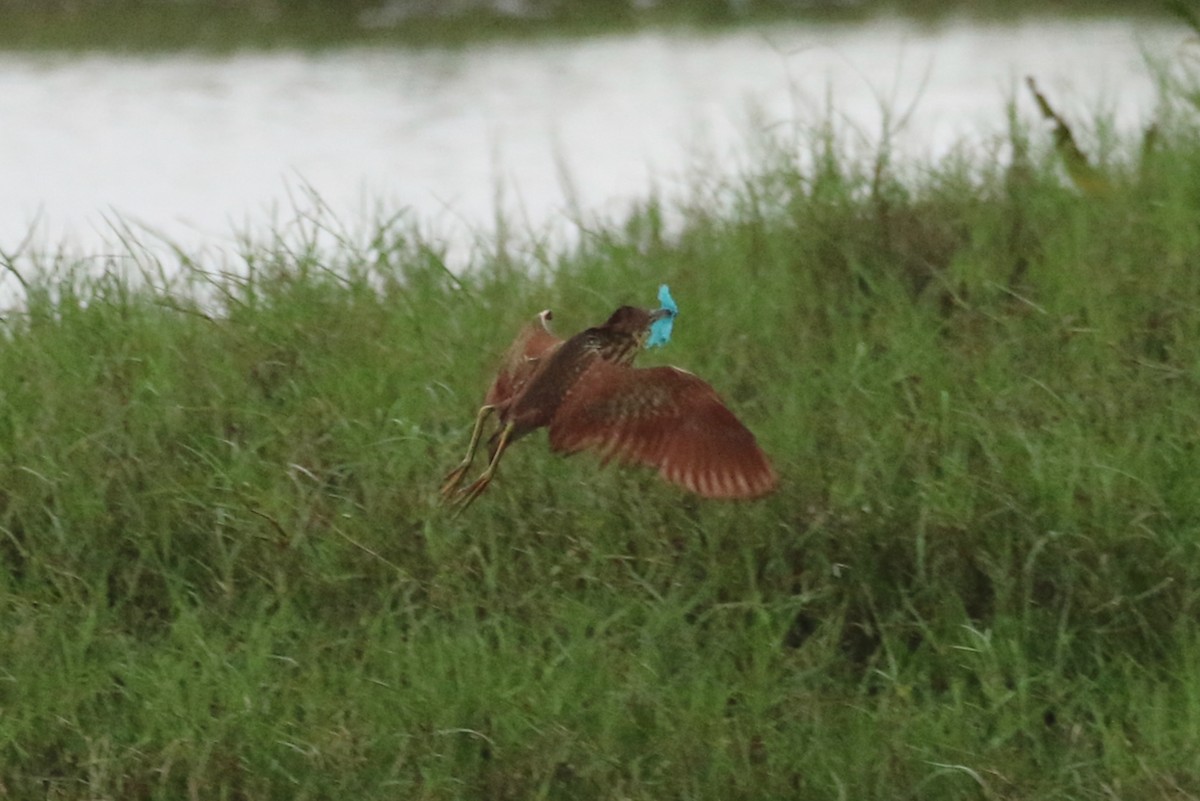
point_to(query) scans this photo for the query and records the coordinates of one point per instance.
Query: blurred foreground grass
(223, 573)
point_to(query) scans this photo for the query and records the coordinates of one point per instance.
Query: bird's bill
(658, 333)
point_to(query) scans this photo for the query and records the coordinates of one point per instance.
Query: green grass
(212, 26)
(224, 573)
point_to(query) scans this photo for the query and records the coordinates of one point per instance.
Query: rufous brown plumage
(590, 397)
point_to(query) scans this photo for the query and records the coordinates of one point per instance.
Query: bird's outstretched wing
(532, 344)
(667, 419)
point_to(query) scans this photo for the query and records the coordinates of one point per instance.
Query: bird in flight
(589, 395)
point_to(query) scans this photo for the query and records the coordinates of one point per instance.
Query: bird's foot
(452, 480)
(468, 495)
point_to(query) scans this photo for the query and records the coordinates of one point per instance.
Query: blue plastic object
(660, 329)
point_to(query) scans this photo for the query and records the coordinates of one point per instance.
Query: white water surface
(200, 147)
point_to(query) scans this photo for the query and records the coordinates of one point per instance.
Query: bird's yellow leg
(480, 484)
(454, 477)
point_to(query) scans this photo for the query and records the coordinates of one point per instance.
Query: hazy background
(201, 121)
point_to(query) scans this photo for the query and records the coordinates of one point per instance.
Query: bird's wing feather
(532, 344)
(664, 418)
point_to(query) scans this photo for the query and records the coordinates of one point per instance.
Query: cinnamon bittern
(586, 391)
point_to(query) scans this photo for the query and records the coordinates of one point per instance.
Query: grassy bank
(206, 25)
(223, 573)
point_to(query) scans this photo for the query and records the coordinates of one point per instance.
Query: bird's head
(652, 329)
(630, 321)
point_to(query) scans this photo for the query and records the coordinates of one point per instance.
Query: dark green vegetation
(223, 573)
(221, 25)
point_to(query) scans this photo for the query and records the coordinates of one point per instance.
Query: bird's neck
(619, 348)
